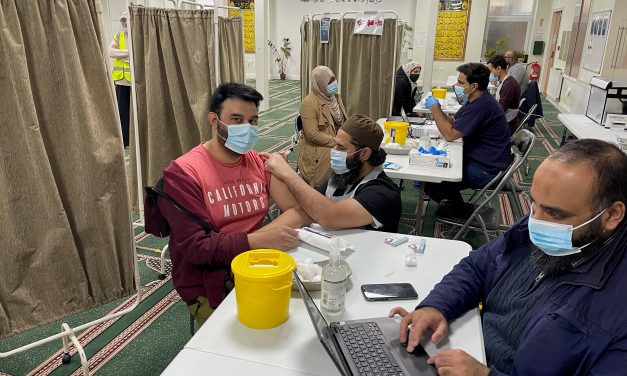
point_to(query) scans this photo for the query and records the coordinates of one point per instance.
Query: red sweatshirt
(232, 198)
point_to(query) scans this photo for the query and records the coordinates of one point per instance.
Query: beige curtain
(174, 79)
(65, 229)
(314, 53)
(231, 48)
(368, 64)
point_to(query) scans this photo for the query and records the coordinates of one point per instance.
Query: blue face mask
(241, 137)
(333, 88)
(459, 92)
(555, 239)
(493, 77)
(338, 161)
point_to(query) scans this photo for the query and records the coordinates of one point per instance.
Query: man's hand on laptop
(457, 362)
(419, 322)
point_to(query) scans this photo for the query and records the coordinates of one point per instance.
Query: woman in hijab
(405, 88)
(322, 113)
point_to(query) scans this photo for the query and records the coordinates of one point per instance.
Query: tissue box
(417, 158)
(621, 140)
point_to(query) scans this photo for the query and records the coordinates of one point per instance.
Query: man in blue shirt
(482, 125)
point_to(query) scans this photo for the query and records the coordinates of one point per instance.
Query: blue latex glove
(430, 102)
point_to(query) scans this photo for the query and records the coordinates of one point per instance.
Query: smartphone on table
(388, 291)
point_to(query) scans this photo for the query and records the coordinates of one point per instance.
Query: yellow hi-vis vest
(121, 69)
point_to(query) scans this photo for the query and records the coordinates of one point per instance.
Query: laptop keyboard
(366, 348)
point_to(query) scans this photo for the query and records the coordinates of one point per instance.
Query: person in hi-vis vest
(122, 75)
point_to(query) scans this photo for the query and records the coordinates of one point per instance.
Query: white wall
(286, 17)
(615, 18)
(540, 32)
(576, 90)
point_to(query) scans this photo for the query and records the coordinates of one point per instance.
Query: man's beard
(343, 181)
(555, 265)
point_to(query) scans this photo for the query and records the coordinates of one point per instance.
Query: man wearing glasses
(517, 70)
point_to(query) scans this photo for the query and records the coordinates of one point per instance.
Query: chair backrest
(526, 117)
(521, 144)
(522, 141)
(298, 127)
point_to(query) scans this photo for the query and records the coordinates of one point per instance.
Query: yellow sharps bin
(395, 131)
(263, 282)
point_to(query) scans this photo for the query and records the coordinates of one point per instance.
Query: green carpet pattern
(146, 340)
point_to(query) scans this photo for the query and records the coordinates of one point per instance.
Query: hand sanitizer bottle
(333, 284)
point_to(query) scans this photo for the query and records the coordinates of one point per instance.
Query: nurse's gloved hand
(430, 102)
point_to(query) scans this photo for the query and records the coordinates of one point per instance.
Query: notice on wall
(370, 23)
(248, 17)
(452, 29)
(596, 39)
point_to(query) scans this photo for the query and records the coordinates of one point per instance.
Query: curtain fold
(174, 78)
(368, 64)
(66, 230)
(369, 68)
(314, 53)
(231, 48)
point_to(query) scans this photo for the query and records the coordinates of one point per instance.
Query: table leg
(419, 205)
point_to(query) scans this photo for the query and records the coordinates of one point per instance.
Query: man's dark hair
(607, 161)
(233, 90)
(498, 61)
(377, 157)
(476, 73)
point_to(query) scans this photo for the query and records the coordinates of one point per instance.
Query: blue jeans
(474, 176)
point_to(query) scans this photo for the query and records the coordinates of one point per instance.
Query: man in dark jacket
(553, 286)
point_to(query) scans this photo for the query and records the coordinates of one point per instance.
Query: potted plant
(281, 55)
(501, 46)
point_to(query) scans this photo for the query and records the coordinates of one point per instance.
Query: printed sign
(361, 2)
(325, 27)
(248, 17)
(370, 23)
(451, 29)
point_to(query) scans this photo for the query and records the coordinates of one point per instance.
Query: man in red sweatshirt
(223, 182)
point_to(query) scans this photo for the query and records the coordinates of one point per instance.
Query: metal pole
(138, 159)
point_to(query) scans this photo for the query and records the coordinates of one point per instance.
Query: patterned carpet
(146, 340)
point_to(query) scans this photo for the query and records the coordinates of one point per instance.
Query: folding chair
(524, 120)
(298, 128)
(485, 218)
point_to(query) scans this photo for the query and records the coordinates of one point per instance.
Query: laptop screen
(404, 115)
(321, 326)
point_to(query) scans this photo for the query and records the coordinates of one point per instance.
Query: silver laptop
(365, 347)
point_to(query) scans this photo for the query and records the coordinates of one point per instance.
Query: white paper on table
(323, 240)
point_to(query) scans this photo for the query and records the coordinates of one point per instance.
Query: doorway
(555, 28)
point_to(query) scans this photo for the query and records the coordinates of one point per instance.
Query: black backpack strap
(158, 189)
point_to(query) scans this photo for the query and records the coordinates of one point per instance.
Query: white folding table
(293, 347)
(427, 174)
(582, 127)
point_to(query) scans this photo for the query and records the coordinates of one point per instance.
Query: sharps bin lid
(262, 264)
